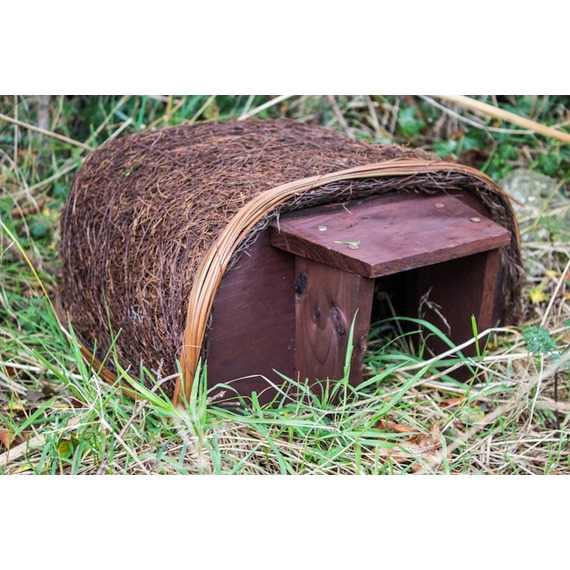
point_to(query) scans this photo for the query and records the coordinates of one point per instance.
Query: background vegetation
(57, 416)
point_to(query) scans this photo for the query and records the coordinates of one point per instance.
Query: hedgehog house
(254, 246)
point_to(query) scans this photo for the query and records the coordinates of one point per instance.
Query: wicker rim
(215, 263)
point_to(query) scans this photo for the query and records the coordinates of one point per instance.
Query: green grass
(408, 416)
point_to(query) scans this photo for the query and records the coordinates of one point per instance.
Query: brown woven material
(145, 210)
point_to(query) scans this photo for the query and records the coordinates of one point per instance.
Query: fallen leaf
(5, 437)
(537, 295)
(28, 210)
(388, 426)
(66, 445)
(21, 469)
(8, 440)
(424, 446)
(11, 371)
(449, 402)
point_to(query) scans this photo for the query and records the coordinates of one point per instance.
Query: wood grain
(388, 235)
(252, 331)
(210, 272)
(327, 302)
(288, 304)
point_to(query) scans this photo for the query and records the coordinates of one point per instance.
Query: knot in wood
(300, 284)
(338, 320)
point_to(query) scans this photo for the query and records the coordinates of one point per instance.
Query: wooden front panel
(327, 302)
(268, 318)
(252, 330)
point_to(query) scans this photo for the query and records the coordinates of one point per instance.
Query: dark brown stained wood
(471, 201)
(277, 310)
(458, 289)
(326, 302)
(252, 332)
(387, 235)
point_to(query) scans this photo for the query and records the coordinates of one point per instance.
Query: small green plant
(539, 340)
(410, 124)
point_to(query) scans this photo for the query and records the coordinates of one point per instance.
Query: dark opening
(394, 296)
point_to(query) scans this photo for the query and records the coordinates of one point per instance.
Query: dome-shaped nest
(148, 217)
